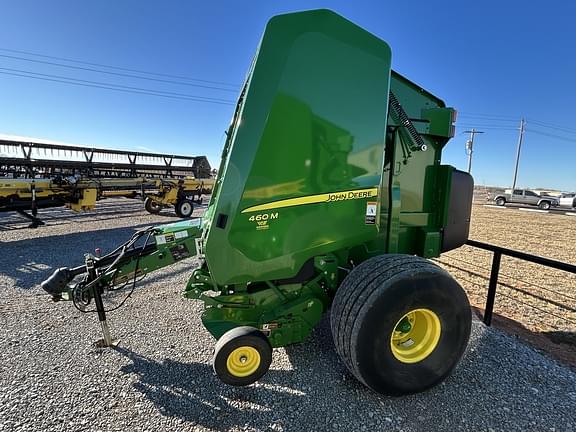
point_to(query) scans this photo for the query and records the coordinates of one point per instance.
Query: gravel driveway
(160, 377)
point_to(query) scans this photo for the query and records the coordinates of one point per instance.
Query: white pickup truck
(526, 197)
(567, 199)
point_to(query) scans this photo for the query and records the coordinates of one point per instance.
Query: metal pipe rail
(498, 251)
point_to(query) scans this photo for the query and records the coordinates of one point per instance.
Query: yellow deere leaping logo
(262, 225)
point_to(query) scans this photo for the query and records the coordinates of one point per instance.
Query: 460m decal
(262, 220)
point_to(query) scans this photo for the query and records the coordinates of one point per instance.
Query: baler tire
(184, 208)
(152, 206)
(246, 343)
(371, 305)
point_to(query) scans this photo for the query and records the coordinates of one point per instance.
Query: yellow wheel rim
(415, 335)
(243, 361)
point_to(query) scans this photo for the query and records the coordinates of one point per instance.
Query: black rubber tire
(371, 301)
(235, 338)
(500, 201)
(544, 205)
(151, 206)
(184, 208)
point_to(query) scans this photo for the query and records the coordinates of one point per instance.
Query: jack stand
(106, 341)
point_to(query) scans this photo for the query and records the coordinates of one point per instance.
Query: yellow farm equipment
(182, 194)
(80, 194)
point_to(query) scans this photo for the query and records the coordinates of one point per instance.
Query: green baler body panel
(310, 155)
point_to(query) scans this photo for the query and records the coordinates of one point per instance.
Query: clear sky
(494, 61)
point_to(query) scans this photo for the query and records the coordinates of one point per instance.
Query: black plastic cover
(459, 211)
(56, 283)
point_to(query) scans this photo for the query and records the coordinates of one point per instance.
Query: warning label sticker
(370, 213)
(163, 239)
(181, 234)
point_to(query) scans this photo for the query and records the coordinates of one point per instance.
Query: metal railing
(498, 251)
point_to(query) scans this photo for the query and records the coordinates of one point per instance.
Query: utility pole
(520, 139)
(470, 146)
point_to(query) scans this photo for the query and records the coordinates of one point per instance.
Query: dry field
(534, 302)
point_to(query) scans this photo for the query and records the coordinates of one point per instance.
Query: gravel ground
(159, 378)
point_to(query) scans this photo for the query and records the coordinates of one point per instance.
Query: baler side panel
(306, 157)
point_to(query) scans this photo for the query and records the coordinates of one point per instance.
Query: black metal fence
(498, 251)
(533, 291)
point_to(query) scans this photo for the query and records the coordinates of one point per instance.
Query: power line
(119, 68)
(551, 126)
(151, 92)
(484, 126)
(117, 73)
(552, 135)
(468, 117)
(491, 126)
(137, 90)
(115, 85)
(495, 116)
(125, 90)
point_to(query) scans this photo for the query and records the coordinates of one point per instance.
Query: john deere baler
(330, 194)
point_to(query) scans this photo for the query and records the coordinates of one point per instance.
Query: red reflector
(454, 115)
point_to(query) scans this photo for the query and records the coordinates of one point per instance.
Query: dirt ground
(536, 303)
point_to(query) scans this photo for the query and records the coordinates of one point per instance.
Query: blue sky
(493, 61)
